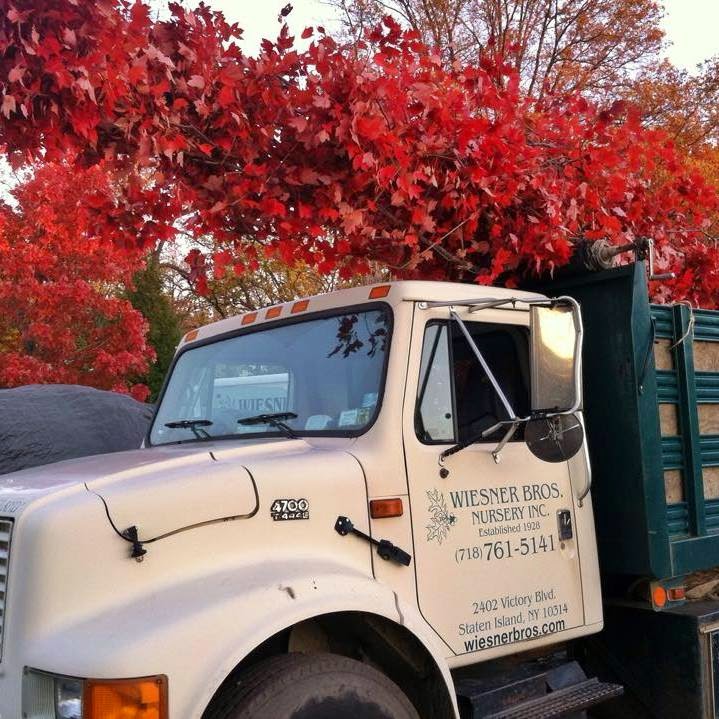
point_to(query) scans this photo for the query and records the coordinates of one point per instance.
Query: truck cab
(372, 503)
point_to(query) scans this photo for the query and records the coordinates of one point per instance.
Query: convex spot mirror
(555, 356)
(554, 439)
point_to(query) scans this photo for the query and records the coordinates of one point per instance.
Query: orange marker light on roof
(249, 318)
(383, 508)
(300, 306)
(380, 291)
(273, 312)
(191, 335)
(126, 699)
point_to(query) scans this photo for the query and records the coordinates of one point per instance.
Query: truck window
(434, 417)
(328, 371)
(455, 399)
(506, 350)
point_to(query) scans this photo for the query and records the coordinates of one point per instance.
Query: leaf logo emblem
(441, 520)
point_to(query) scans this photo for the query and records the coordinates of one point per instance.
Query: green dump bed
(651, 398)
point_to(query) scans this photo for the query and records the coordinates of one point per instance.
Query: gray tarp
(40, 424)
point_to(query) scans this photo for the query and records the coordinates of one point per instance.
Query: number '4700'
(284, 509)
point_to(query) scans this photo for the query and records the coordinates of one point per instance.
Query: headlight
(51, 696)
(46, 696)
(68, 698)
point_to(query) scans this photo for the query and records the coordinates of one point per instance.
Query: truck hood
(19, 488)
(163, 489)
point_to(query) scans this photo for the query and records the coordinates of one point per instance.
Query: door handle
(564, 525)
(385, 548)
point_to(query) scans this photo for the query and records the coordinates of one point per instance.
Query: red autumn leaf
(305, 211)
(137, 72)
(15, 16)
(322, 101)
(226, 96)
(299, 123)
(370, 127)
(8, 105)
(57, 322)
(387, 157)
(272, 207)
(352, 220)
(197, 81)
(385, 174)
(16, 73)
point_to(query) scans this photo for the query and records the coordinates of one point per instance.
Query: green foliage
(149, 297)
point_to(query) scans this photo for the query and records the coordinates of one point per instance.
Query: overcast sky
(692, 26)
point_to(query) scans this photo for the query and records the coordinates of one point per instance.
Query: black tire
(312, 686)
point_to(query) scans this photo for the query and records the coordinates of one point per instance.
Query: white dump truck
(374, 503)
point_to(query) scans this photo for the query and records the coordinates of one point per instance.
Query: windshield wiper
(195, 425)
(276, 420)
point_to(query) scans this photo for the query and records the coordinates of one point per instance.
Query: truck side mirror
(554, 439)
(556, 344)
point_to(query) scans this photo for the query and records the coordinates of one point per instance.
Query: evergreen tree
(149, 297)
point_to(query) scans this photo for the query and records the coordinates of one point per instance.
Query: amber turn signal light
(659, 596)
(383, 508)
(144, 698)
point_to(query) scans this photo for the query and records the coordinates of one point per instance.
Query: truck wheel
(313, 686)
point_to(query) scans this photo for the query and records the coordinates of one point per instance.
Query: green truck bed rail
(689, 446)
(651, 399)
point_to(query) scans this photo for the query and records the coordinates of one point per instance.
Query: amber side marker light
(300, 306)
(144, 698)
(380, 291)
(384, 508)
(249, 318)
(191, 335)
(273, 312)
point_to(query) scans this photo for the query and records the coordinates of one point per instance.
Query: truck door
(492, 569)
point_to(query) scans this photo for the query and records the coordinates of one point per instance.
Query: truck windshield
(324, 376)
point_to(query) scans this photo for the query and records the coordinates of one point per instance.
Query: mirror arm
(458, 447)
(502, 397)
(507, 436)
(516, 420)
(587, 465)
(492, 429)
(514, 423)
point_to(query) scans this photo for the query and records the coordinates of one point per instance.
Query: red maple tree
(369, 152)
(60, 317)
